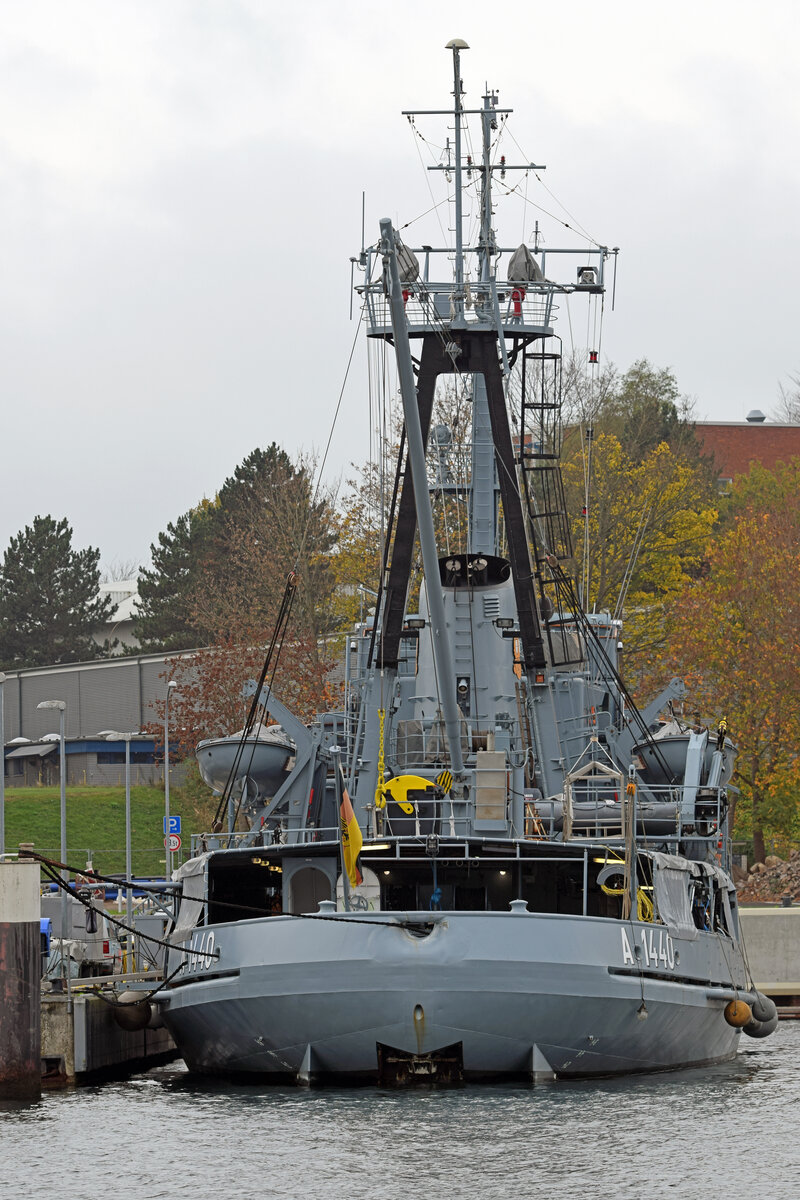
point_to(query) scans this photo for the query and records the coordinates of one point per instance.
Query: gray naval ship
(488, 863)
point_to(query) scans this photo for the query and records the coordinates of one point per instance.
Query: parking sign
(171, 825)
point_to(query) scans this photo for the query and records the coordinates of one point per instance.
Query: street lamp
(2, 770)
(61, 705)
(126, 738)
(171, 686)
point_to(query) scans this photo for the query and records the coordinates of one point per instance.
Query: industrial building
(117, 695)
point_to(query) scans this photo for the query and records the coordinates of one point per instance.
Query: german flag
(351, 836)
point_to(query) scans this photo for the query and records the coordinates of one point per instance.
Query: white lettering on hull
(658, 948)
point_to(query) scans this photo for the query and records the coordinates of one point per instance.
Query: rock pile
(771, 880)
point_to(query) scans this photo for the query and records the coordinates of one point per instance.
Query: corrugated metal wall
(117, 693)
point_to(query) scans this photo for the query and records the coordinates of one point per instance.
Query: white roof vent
(756, 417)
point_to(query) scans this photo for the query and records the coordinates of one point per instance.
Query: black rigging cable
(273, 650)
(51, 869)
(590, 633)
(398, 474)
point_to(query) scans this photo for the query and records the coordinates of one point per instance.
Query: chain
(380, 799)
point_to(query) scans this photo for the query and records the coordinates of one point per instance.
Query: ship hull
(514, 995)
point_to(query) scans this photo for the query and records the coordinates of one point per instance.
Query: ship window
(399, 897)
(240, 891)
(551, 887)
(407, 658)
(463, 888)
(469, 898)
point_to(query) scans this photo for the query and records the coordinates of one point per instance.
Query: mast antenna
(457, 45)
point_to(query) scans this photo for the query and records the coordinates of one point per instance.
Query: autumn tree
(231, 561)
(787, 409)
(50, 608)
(356, 562)
(209, 700)
(586, 395)
(641, 536)
(762, 489)
(735, 636)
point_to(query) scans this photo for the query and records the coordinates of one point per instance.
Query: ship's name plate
(657, 948)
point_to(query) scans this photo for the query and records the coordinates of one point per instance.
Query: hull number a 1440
(657, 948)
(201, 953)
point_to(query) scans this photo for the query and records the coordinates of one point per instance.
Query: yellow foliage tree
(641, 535)
(735, 637)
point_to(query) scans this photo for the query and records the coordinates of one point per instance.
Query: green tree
(641, 408)
(164, 616)
(267, 520)
(218, 572)
(49, 602)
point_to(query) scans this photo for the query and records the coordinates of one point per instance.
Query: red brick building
(735, 445)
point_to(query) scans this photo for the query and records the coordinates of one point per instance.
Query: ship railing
(315, 833)
(419, 746)
(525, 304)
(204, 842)
(537, 827)
(597, 812)
(430, 306)
(201, 843)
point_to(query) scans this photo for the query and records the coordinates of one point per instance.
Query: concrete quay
(772, 941)
(82, 1042)
(58, 1037)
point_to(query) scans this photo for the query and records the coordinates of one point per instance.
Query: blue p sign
(171, 825)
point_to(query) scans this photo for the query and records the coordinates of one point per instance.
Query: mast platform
(515, 309)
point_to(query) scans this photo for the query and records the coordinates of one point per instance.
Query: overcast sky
(180, 190)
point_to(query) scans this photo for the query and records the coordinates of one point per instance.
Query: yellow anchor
(397, 789)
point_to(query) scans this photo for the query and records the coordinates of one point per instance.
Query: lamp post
(171, 686)
(2, 770)
(126, 738)
(61, 705)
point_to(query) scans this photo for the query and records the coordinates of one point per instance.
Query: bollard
(20, 981)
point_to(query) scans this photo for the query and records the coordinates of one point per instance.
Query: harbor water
(729, 1130)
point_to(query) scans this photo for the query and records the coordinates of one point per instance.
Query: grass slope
(96, 824)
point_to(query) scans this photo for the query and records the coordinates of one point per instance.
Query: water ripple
(716, 1133)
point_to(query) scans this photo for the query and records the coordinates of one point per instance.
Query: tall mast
(487, 243)
(483, 472)
(456, 45)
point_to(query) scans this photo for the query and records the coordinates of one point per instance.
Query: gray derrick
(500, 678)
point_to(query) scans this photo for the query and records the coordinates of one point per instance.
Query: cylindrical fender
(738, 1013)
(761, 1029)
(763, 1008)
